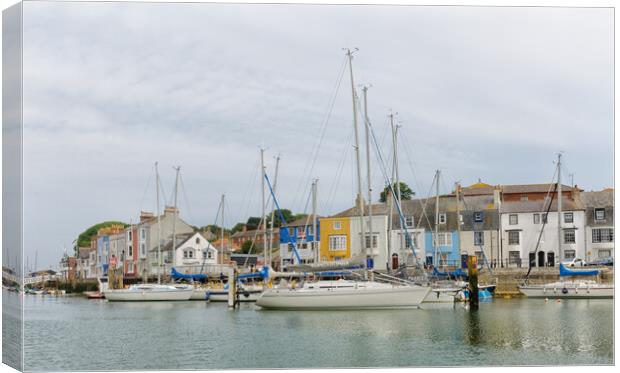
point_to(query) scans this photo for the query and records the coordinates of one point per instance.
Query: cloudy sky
(110, 88)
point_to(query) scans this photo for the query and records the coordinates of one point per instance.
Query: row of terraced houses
(502, 225)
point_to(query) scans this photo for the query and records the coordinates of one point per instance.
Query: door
(541, 258)
(395, 261)
(550, 259)
(532, 259)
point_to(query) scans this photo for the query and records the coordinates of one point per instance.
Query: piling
(472, 269)
(232, 288)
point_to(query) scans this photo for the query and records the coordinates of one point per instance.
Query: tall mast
(395, 175)
(158, 227)
(457, 188)
(560, 207)
(176, 214)
(273, 210)
(222, 231)
(315, 250)
(359, 199)
(367, 126)
(436, 240)
(263, 215)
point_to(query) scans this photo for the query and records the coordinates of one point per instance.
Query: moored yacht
(148, 292)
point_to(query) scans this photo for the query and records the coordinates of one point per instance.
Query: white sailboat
(346, 294)
(153, 292)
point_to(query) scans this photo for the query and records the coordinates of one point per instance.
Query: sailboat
(153, 292)
(566, 289)
(345, 294)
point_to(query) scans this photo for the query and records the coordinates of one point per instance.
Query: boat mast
(158, 227)
(273, 212)
(176, 214)
(436, 240)
(560, 207)
(222, 231)
(395, 175)
(367, 126)
(314, 233)
(359, 199)
(263, 215)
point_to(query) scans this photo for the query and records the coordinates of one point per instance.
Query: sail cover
(191, 276)
(565, 271)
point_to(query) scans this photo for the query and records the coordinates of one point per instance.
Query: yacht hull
(125, 295)
(343, 299)
(574, 291)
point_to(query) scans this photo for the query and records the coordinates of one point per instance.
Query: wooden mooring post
(472, 269)
(232, 288)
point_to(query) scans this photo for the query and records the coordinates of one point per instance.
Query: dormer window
(197, 240)
(442, 218)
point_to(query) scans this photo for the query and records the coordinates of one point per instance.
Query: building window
(128, 235)
(197, 240)
(478, 238)
(188, 254)
(514, 257)
(544, 218)
(568, 217)
(375, 238)
(513, 219)
(409, 221)
(142, 234)
(569, 236)
(480, 256)
(442, 218)
(524, 197)
(569, 254)
(337, 225)
(143, 249)
(338, 242)
(513, 237)
(443, 239)
(291, 231)
(478, 217)
(130, 250)
(602, 235)
(210, 254)
(599, 214)
(604, 253)
(536, 218)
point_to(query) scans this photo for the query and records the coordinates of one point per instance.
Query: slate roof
(602, 198)
(541, 205)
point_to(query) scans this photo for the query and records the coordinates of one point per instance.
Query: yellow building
(335, 238)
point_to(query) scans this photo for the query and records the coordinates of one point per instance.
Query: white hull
(148, 293)
(222, 296)
(440, 296)
(577, 290)
(371, 296)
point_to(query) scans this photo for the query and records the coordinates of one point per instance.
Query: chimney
(170, 210)
(144, 215)
(497, 197)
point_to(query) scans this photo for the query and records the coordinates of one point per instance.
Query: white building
(192, 250)
(522, 229)
(599, 210)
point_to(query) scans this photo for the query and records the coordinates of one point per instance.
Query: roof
(181, 240)
(601, 198)
(301, 222)
(541, 206)
(531, 188)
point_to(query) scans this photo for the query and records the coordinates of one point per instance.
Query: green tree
(237, 228)
(253, 222)
(405, 192)
(246, 246)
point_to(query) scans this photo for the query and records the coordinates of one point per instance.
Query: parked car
(575, 262)
(606, 261)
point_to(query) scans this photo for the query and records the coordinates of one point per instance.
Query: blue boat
(565, 271)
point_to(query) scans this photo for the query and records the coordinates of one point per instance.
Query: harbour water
(73, 333)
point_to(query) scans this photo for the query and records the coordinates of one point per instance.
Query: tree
(405, 192)
(246, 246)
(253, 222)
(277, 220)
(237, 228)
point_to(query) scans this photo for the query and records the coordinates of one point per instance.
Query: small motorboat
(148, 292)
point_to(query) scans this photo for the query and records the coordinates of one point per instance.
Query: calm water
(69, 333)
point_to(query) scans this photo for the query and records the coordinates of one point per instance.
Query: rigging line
(247, 197)
(146, 188)
(184, 192)
(336, 181)
(405, 141)
(527, 275)
(256, 231)
(163, 192)
(316, 147)
(204, 257)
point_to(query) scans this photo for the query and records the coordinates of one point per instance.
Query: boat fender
(246, 294)
(564, 291)
(207, 295)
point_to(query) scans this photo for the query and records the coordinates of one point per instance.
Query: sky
(479, 93)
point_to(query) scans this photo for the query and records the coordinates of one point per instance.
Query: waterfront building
(85, 254)
(256, 237)
(301, 232)
(193, 249)
(68, 268)
(522, 214)
(118, 244)
(133, 265)
(599, 223)
(335, 237)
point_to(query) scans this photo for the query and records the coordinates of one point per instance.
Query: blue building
(301, 232)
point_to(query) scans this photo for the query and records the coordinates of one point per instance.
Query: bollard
(232, 288)
(472, 269)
